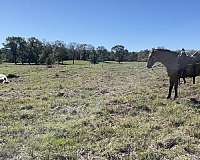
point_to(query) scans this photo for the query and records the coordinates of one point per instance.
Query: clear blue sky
(137, 24)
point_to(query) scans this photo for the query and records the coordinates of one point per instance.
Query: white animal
(3, 79)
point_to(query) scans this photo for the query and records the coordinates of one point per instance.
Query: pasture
(103, 111)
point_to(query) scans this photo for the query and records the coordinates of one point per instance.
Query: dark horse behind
(170, 60)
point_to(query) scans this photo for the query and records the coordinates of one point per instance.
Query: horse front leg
(176, 89)
(194, 80)
(171, 85)
(184, 80)
(179, 81)
(194, 73)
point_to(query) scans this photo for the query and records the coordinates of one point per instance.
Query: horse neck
(169, 60)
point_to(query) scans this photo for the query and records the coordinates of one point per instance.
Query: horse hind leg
(193, 80)
(179, 81)
(194, 73)
(171, 82)
(184, 80)
(176, 89)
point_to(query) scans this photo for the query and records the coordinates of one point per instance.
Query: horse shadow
(195, 103)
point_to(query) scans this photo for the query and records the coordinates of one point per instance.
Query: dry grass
(104, 111)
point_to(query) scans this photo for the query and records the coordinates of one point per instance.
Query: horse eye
(152, 58)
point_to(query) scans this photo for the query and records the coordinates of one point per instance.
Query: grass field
(104, 111)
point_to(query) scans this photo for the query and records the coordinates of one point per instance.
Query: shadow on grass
(195, 103)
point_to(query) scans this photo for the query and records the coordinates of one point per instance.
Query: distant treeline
(34, 51)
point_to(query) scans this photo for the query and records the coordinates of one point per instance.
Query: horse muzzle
(6, 82)
(149, 66)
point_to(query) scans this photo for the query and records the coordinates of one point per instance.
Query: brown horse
(170, 60)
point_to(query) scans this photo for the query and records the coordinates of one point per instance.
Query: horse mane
(196, 53)
(166, 50)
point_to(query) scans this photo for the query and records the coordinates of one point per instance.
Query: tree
(60, 51)
(132, 56)
(82, 52)
(47, 51)
(4, 53)
(102, 53)
(94, 55)
(35, 47)
(11, 47)
(22, 49)
(1, 56)
(32, 50)
(49, 61)
(89, 49)
(118, 51)
(142, 55)
(73, 50)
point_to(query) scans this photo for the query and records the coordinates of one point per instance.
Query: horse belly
(192, 71)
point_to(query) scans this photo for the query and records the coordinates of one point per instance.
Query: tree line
(34, 51)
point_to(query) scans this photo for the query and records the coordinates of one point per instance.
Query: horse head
(153, 58)
(3, 79)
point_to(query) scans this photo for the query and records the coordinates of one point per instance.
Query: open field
(104, 111)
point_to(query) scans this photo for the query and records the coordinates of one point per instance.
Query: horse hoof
(168, 97)
(175, 97)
